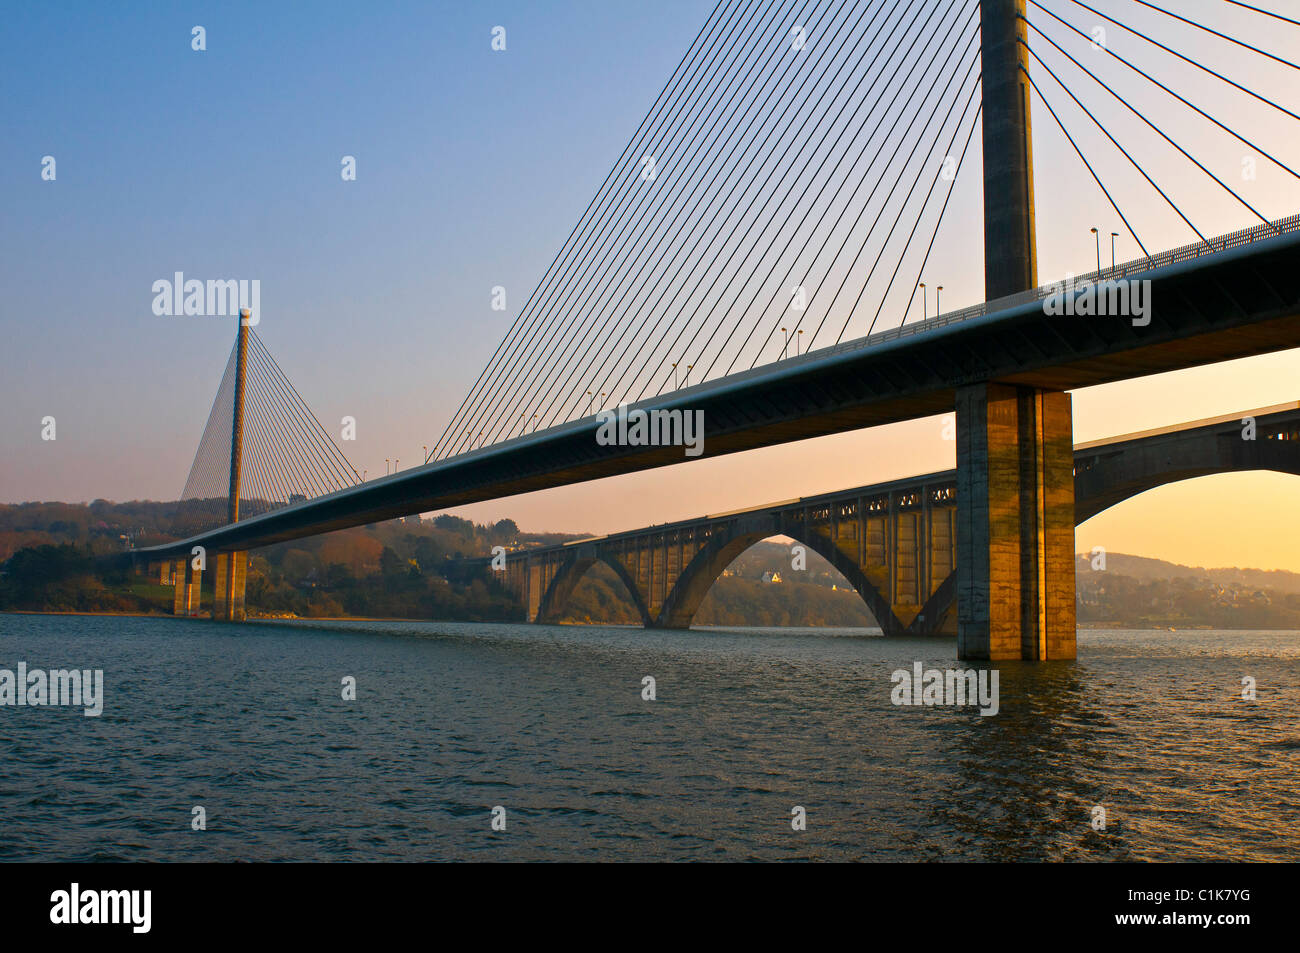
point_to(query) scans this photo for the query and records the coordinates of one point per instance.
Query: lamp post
(386, 465)
(1097, 237)
(796, 343)
(924, 313)
(785, 348)
(1113, 236)
(937, 290)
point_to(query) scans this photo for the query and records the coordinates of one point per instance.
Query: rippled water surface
(453, 719)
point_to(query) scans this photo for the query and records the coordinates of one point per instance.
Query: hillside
(408, 569)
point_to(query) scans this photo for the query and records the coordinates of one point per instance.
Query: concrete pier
(230, 581)
(1015, 524)
(187, 581)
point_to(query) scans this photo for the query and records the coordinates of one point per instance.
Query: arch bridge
(896, 543)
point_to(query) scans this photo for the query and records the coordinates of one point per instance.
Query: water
(453, 719)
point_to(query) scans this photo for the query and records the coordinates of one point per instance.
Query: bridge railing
(1162, 259)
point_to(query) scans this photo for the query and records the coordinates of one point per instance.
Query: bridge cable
(532, 390)
(934, 234)
(778, 128)
(956, 131)
(312, 468)
(275, 461)
(1184, 59)
(974, 55)
(560, 298)
(260, 476)
(1267, 13)
(196, 499)
(1181, 99)
(251, 475)
(304, 468)
(535, 388)
(1201, 26)
(781, 128)
(1117, 145)
(669, 85)
(811, 207)
(866, 114)
(897, 218)
(1161, 132)
(1084, 158)
(612, 215)
(862, 181)
(344, 473)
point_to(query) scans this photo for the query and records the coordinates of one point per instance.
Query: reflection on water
(452, 719)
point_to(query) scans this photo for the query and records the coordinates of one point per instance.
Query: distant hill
(1144, 567)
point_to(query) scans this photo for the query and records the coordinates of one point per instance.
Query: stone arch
(703, 570)
(568, 576)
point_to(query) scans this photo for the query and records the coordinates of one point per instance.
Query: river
(548, 722)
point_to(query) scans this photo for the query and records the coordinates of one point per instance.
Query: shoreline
(1090, 626)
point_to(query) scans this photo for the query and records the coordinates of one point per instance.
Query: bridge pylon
(1015, 478)
(232, 568)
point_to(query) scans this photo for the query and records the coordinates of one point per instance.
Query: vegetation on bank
(51, 560)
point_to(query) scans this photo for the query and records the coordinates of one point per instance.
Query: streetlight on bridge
(1097, 239)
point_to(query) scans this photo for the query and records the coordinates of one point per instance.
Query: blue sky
(472, 167)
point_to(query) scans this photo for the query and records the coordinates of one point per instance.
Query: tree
(389, 562)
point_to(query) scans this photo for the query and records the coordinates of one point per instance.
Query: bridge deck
(1236, 302)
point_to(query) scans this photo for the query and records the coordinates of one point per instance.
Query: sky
(472, 167)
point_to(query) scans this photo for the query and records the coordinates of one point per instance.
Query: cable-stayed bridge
(791, 179)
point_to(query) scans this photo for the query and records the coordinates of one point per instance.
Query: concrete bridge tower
(1015, 480)
(232, 568)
